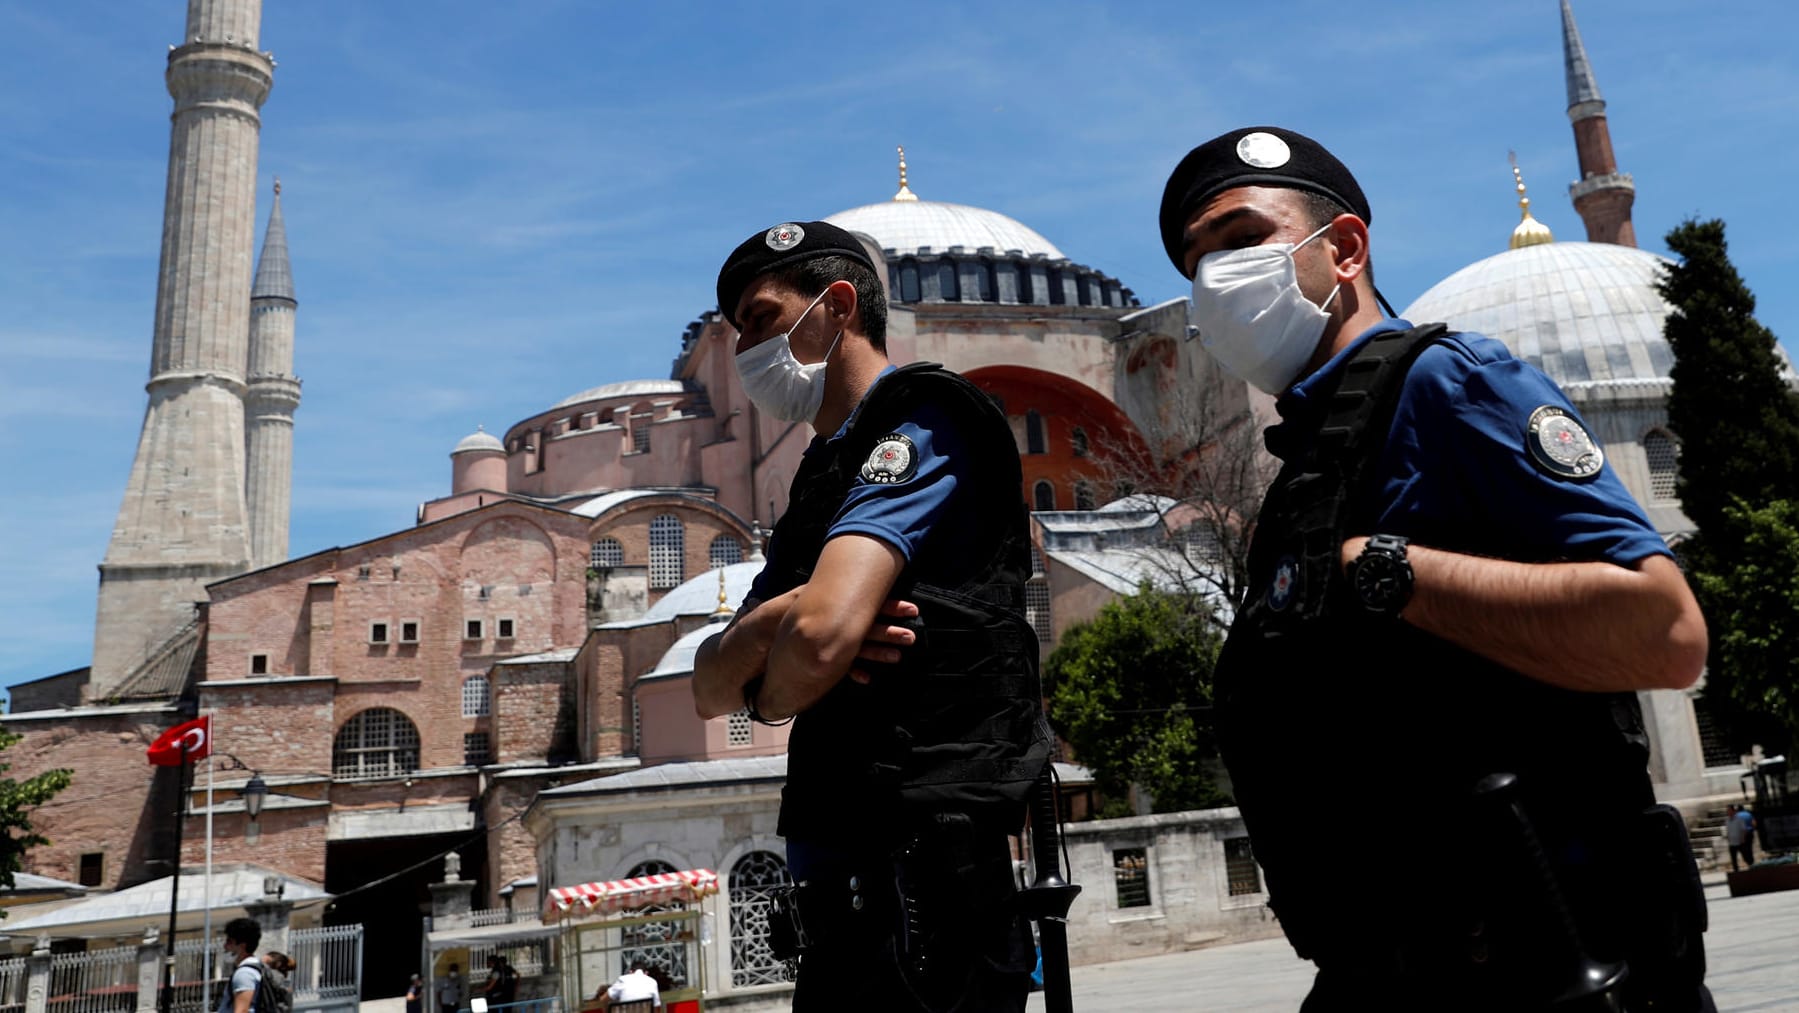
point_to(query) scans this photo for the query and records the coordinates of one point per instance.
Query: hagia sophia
(516, 662)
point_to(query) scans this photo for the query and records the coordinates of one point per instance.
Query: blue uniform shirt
(904, 514)
(1457, 472)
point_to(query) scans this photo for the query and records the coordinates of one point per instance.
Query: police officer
(889, 620)
(1452, 597)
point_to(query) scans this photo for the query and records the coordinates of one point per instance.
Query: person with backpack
(276, 967)
(241, 937)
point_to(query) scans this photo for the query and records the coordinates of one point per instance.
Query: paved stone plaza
(1751, 946)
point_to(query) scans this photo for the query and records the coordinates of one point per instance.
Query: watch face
(1378, 581)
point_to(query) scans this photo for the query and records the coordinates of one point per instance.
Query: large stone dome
(1581, 312)
(624, 388)
(913, 225)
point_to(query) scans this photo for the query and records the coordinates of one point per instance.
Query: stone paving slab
(1753, 948)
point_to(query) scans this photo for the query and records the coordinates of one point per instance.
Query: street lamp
(254, 794)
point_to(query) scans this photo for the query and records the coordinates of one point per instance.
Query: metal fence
(327, 964)
(100, 981)
(12, 985)
(495, 916)
(529, 957)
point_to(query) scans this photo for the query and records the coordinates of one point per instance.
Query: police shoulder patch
(1560, 445)
(893, 460)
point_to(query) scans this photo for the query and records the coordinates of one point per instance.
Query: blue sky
(491, 206)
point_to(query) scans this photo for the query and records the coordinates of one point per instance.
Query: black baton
(1049, 898)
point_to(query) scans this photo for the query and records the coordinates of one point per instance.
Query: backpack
(273, 994)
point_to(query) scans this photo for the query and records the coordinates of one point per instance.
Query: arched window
(1083, 495)
(667, 549)
(1043, 495)
(640, 432)
(1057, 294)
(946, 280)
(606, 553)
(725, 551)
(754, 881)
(1664, 463)
(477, 697)
(660, 948)
(1077, 438)
(378, 742)
(908, 280)
(1035, 436)
(1036, 607)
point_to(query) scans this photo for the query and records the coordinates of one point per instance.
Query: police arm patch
(893, 460)
(1560, 445)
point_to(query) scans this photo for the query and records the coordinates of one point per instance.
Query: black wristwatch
(1381, 577)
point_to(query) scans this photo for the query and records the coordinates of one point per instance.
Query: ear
(840, 300)
(1348, 237)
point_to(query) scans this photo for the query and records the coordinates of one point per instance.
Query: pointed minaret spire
(272, 397)
(905, 192)
(1603, 196)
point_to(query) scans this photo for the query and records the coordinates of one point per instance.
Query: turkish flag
(183, 743)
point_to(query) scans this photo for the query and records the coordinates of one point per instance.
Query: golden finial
(724, 609)
(277, 186)
(905, 192)
(1529, 232)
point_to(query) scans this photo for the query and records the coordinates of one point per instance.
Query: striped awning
(642, 891)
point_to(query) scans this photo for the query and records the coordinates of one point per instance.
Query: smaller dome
(678, 659)
(480, 439)
(624, 388)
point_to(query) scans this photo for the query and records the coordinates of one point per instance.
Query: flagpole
(183, 778)
(206, 946)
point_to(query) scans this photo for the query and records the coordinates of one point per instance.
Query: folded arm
(830, 624)
(1588, 626)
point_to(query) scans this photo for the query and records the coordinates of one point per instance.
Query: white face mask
(780, 384)
(1253, 318)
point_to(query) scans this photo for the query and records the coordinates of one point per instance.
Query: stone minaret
(183, 522)
(1603, 195)
(273, 396)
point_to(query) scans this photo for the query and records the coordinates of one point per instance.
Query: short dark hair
(810, 277)
(245, 932)
(1321, 211)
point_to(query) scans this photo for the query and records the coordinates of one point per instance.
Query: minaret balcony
(1603, 181)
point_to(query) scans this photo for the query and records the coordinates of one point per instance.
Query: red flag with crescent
(184, 743)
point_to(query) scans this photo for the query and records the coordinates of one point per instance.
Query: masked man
(1452, 592)
(902, 556)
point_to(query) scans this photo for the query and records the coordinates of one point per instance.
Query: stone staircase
(1707, 833)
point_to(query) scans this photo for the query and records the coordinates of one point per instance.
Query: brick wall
(529, 720)
(117, 804)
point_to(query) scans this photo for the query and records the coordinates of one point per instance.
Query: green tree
(1753, 599)
(1738, 425)
(1737, 420)
(17, 799)
(1131, 693)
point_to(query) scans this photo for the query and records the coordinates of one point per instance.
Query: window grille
(1044, 496)
(640, 434)
(657, 943)
(477, 697)
(1664, 464)
(667, 545)
(725, 551)
(1240, 873)
(606, 553)
(477, 748)
(753, 883)
(1077, 437)
(1083, 495)
(737, 728)
(1036, 609)
(636, 727)
(378, 742)
(1036, 562)
(1130, 875)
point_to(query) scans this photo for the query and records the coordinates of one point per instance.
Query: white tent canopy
(130, 911)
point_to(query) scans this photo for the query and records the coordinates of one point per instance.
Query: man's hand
(886, 640)
(1592, 626)
(725, 662)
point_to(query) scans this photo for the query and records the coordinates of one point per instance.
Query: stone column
(452, 901)
(37, 977)
(273, 913)
(149, 970)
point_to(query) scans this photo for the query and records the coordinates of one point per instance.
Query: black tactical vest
(956, 726)
(1354, 742)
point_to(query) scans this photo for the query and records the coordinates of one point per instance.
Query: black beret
(782, 246)
(1252, 156)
